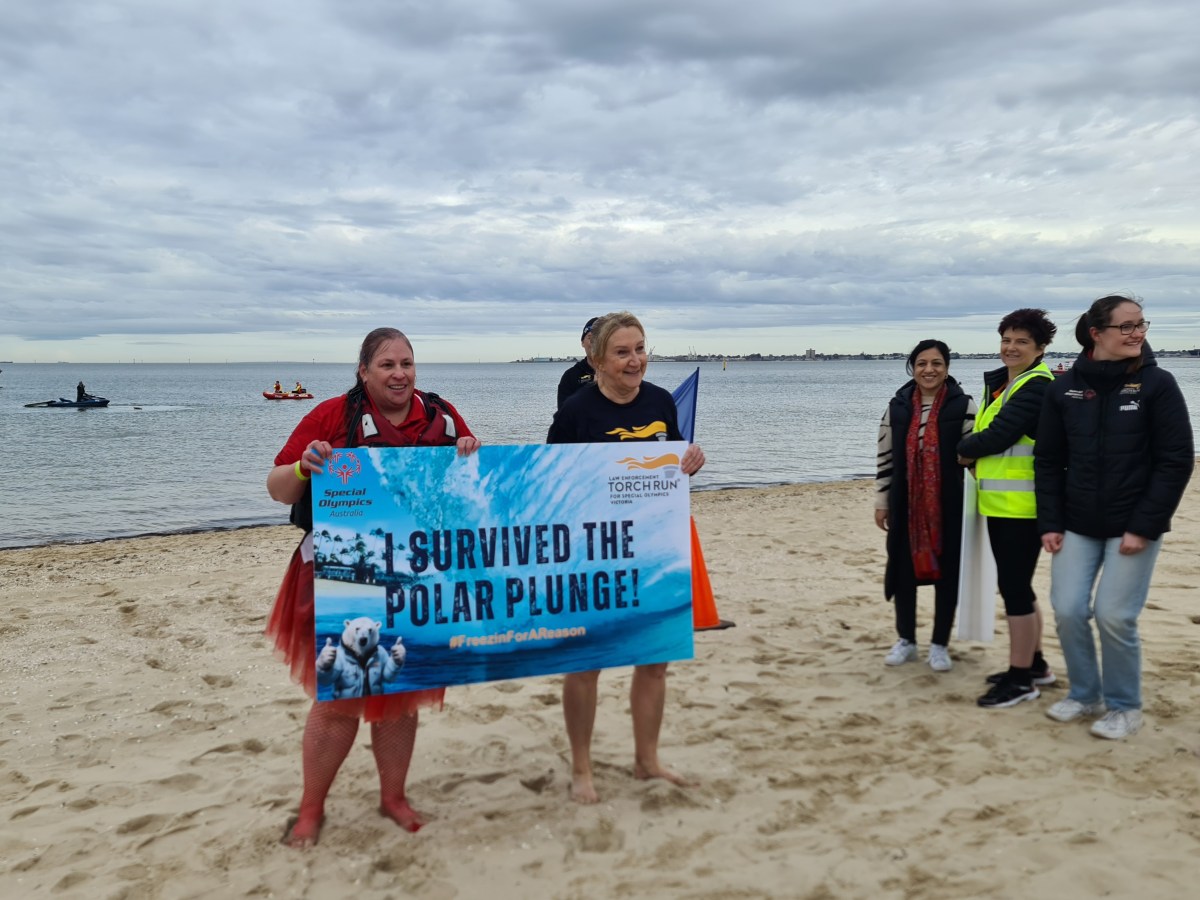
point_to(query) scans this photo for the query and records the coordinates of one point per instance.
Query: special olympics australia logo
(344, 466)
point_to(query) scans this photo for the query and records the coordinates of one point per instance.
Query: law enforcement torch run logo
(667, 464)
(344, 465)
(648, 476)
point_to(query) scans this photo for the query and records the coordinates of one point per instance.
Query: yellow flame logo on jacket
(641, 433)
(650, 462)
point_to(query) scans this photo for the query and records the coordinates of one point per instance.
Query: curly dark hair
(1035, 321)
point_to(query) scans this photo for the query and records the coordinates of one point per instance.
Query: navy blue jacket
(1114, 450)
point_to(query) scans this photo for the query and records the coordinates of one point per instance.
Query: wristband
(300, 472)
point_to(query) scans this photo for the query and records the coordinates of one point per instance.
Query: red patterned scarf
(924, 490)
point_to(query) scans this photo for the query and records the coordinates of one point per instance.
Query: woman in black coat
(1113, 457)
(918, 498)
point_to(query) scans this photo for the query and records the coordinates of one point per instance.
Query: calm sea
(187, 447)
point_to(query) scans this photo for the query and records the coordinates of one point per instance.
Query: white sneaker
(1117, 724)
(902, 651)
(939, 658)
(1069, 710)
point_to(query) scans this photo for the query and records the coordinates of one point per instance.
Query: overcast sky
(264, 181)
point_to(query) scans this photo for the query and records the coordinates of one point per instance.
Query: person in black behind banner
(581, 374)
(618, 405)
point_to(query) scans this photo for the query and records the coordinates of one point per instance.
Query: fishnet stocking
(328, 737)
(392, 742)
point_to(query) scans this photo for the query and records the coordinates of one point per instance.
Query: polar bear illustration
(359, 667)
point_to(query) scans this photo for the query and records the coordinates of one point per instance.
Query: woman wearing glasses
(1113, 456)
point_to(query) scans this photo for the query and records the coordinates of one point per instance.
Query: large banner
(433, 569)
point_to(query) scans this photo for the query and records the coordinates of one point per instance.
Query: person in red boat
(383, 409)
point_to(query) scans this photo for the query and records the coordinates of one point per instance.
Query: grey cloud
(283, 168)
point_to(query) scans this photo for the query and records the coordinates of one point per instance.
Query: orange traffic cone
(704, 607)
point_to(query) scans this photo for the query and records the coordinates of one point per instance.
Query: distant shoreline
(837, 357)
(1194, 353)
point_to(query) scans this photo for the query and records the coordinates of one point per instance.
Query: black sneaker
(1008, 693)
(1043, 677)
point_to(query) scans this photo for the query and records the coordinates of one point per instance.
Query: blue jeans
(1121, 589)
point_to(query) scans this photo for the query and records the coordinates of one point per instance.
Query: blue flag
(685, 404)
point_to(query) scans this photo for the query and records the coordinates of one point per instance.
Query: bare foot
(658, 770)
(303, 831)
(582, 789)
(402, 814)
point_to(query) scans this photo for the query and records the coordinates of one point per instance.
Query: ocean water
(187, 447)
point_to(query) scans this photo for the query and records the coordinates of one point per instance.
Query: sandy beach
(151, 743)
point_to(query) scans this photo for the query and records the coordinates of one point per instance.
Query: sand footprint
(603, 837)
(490, 712)
(183, 781)
(508, 687)
(139, 824)
(250, 746)
(666, 797)
(70, 880)
(540, 783)
(484, 778)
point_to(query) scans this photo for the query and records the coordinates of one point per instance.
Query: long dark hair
(370, 347)
(928, 344)
(1099, 314)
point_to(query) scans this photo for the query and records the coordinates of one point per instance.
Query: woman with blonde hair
(619, 404)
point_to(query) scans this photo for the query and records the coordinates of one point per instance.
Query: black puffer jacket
(1114, 450)
(950, 428)
(1018, 416)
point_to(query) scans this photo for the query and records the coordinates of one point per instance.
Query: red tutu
(292, 627)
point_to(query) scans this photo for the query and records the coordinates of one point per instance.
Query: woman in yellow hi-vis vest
(1001, 449)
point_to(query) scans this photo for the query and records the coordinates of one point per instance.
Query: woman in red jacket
(383, 409)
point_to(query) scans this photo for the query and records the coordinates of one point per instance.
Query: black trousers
(1015, 545)
(945, 601)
